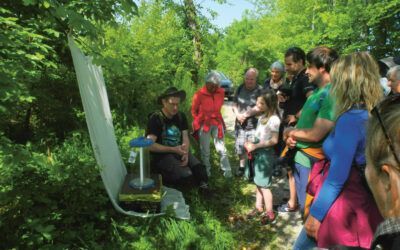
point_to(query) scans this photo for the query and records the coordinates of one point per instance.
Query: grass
(217, 221)
(72, 211)
(231, 200)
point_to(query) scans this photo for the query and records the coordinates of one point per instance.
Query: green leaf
(28, 99)
(53, 32)
(129, 7)
(29, 2)
(35, 57)
(61, 11)
(46, 4)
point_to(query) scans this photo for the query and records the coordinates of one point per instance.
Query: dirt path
(287, 225)
(229, 117)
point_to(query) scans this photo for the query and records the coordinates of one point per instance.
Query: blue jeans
(303, 242)
(301, 174)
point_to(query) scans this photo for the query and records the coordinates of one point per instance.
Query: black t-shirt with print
(168, 131)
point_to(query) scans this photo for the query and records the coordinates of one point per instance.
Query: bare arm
(271, 142)
(159, 148)
(315, 134)
(252, 112)
(240, 117)
(185, 147)
(185, 141)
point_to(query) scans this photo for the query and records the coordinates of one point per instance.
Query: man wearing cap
(171, 157)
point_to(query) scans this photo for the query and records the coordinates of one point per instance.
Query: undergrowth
(56, 200)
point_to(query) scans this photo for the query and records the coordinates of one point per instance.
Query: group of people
(327, 119)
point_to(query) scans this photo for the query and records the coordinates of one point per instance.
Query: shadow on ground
(232, 198)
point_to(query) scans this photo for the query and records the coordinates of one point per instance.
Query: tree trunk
(194, 29)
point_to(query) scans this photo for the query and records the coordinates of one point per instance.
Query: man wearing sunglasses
(383, 169)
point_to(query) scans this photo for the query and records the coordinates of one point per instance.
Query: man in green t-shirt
(316, 119)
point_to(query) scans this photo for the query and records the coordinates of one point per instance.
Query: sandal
(285, 208)
(267, 218)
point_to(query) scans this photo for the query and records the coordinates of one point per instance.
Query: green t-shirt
(318, 105)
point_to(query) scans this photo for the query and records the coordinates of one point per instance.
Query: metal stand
(142, 182)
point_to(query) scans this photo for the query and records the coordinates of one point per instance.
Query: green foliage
(51, 194)
(347, 26)
(46, 197)
(39, 95)
(144, 57)
(57, 200)
(235, 54)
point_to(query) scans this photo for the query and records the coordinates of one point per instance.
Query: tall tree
(194, 28)
(347, 26)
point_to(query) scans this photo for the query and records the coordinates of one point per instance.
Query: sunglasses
(382, 107)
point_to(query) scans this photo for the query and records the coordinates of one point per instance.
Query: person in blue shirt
(343, 211)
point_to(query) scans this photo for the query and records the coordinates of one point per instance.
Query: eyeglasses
(382, 107)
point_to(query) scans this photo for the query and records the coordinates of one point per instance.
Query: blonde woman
(344, 212)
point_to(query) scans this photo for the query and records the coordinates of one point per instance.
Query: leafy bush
(51, 199)
(57, 200)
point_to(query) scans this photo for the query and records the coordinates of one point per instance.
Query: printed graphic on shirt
(171, 136)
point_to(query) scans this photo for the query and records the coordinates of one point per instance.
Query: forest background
(51, 194)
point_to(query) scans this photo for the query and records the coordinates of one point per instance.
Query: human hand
(286, 132)
(241, 118)
(312, 227)
(281, 98)
(291, 142)
(184, 160)
(250, 147)
(181, 149)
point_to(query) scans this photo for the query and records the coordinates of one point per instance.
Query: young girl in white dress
(261, 149)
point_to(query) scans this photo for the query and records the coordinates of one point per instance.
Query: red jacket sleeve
(195, 105)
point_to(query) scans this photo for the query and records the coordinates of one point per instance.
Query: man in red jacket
(208, 121)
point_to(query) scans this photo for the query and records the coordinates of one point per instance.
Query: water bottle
(132, 157)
